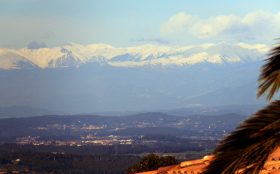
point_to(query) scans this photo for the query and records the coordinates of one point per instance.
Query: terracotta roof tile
(272, 166)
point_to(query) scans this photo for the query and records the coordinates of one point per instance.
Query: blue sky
(132, 22)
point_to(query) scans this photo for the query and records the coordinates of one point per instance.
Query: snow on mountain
(11, 59)
(75, 55)
(206, 74)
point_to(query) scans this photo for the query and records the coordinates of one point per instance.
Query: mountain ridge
(76, 55)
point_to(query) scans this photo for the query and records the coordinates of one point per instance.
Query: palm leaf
(249, 145)
(269, 80)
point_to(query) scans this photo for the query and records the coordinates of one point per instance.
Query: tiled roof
(272, 166)
(186, 167)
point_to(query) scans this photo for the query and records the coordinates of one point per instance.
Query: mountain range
(75, 55)
(94, 78)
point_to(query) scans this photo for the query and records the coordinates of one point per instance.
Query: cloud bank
(258, 26)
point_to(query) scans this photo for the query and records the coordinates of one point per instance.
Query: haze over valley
(98, 78)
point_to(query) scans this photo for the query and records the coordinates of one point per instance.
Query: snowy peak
(75, 55)
(11, 59)
(190, 55)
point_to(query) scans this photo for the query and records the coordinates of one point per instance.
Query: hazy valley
(96, 139)
(93, 85)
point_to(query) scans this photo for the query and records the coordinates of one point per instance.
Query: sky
(133, 22)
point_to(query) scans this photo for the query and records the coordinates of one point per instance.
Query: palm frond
(269, 79)
(249, 145)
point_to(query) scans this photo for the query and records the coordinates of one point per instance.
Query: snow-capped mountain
(75, 55)
(145, 77)
(11, 59)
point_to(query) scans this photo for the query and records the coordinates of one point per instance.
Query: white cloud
(177, 23)
(258, 26)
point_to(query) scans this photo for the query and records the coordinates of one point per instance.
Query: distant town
(129, 130)
(122, 140)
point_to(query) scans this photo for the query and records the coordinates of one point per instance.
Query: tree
(152, 162)
(270, 76)
(253, 141)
